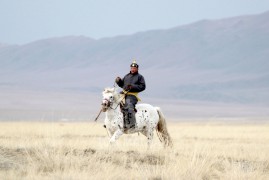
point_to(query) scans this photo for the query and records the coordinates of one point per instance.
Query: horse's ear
(105, 90)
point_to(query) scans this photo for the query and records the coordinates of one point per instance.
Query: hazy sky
(23, 21)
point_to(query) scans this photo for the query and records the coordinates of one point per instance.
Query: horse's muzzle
(105, 105)
(104, 109)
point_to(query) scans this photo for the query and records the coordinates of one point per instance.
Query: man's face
(134, 70)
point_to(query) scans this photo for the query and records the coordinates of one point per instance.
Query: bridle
(107, 103)
(110, 103)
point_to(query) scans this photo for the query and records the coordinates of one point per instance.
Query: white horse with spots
(148, 118)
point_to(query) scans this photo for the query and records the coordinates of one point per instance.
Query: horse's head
(108, 98)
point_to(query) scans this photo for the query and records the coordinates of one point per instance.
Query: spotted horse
(148, 119)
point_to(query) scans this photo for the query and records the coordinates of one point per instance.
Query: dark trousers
(129, 111)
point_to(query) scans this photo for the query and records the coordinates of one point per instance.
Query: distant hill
(3, 45)
(211, 61)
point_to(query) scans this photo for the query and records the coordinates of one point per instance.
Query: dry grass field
(37, 150)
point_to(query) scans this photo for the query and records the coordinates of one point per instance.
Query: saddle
(122, 103)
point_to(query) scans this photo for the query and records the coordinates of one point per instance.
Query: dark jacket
(136, 81)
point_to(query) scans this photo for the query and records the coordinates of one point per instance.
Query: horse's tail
(162, 131)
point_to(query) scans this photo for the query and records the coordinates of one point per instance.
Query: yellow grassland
(67, 150)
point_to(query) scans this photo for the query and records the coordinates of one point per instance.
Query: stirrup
(132, 126)
(129, 127)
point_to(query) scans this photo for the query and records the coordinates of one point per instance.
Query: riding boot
(125, 119)
(132, 120)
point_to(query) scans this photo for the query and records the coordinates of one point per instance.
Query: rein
(114, 85)
(98, 115)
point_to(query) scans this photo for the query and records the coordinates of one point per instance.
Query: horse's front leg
(115, 136)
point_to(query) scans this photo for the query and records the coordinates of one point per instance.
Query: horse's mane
(109, 90)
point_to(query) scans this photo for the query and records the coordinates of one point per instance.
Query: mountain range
(205, 69)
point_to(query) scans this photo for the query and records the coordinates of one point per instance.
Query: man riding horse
(132, 84)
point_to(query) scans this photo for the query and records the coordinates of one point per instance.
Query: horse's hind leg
(115, 136)
(149, 136)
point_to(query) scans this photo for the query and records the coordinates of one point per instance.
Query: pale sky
(24, 21)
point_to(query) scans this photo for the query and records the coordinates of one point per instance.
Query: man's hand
(118, 79)
(128, 87)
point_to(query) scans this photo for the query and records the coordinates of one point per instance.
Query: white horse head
(148, 118)
(109, 95)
